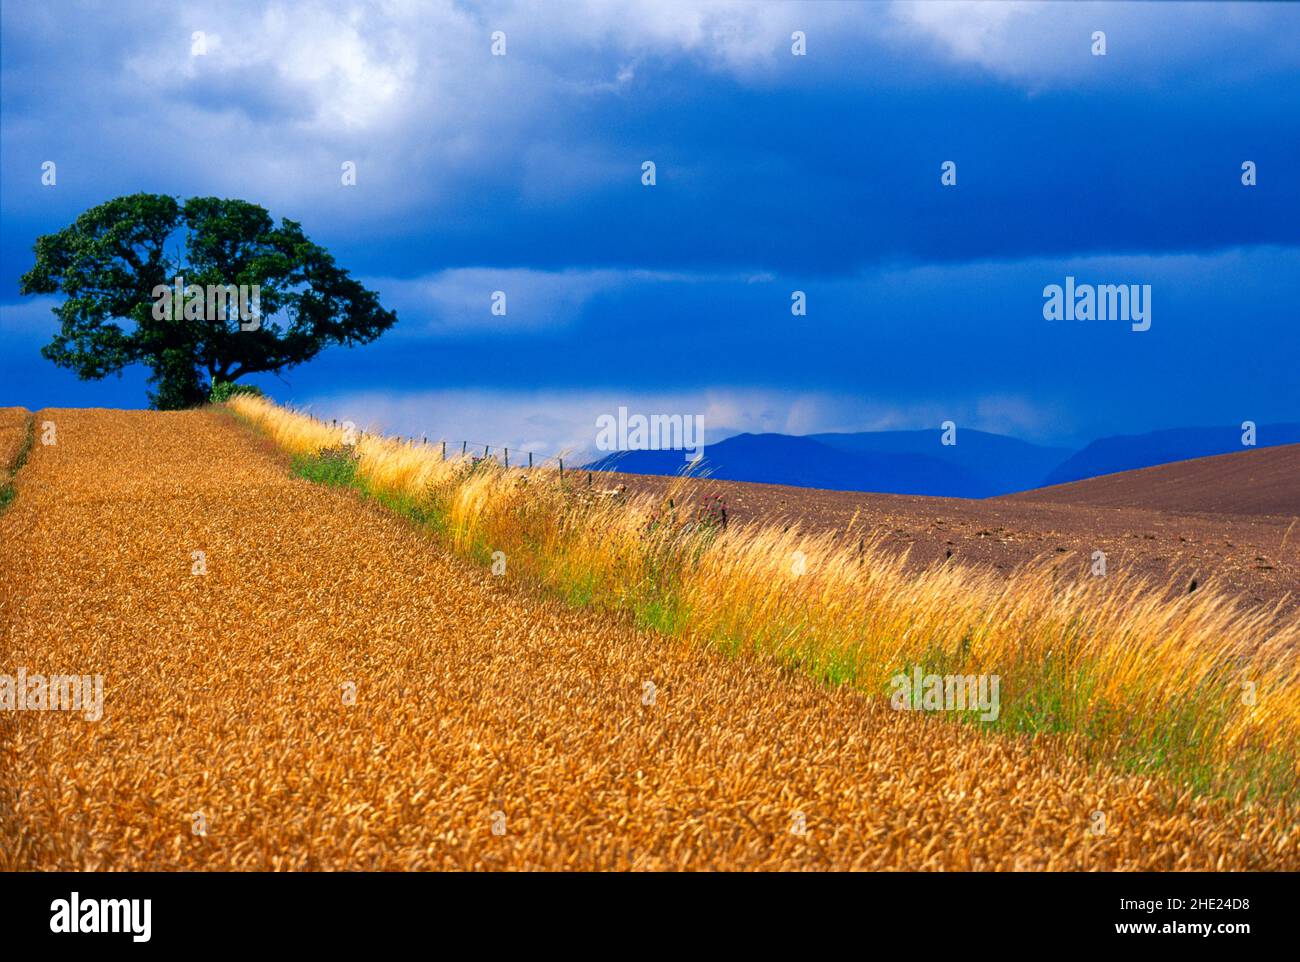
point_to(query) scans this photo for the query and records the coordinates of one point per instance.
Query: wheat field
(331, 686)
(1193, 684)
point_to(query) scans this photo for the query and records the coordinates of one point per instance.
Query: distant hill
(1132, 451)
(1001, 463)
(980, 465)
(1257, 481)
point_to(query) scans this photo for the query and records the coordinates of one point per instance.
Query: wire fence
(470, 449)
(524, 459)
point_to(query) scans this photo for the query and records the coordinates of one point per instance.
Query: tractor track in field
(491, 728)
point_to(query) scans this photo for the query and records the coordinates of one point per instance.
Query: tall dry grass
(1190, 686)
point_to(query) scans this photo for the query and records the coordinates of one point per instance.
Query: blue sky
(775, 173)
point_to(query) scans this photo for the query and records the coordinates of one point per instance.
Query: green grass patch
(8, 492)
(328, 468)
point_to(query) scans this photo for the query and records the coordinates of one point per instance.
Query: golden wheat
(1192, 684)
(478, 707)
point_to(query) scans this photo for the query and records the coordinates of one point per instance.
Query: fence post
(561, 470)
(530, 460)
(463, 444)
(485, 452)
(444, 450)
(507, 451)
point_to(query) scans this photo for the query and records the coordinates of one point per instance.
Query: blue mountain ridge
(979, 465)
(1128, 452)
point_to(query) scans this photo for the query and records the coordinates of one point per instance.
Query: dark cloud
(820, 174)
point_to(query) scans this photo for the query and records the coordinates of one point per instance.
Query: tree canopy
(122, 260)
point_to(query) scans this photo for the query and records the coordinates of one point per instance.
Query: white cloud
(1046, 44)
(411, 93)
(29, 320)
(459, 300)
(978, 32)
(554, 422)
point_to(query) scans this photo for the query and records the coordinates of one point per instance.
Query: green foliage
(117, 262)
(225, 390)
(332, 466)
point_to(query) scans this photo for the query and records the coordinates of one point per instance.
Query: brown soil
(1260, 482)
(1249, 554)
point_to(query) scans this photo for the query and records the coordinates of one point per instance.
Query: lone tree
(124, 261)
